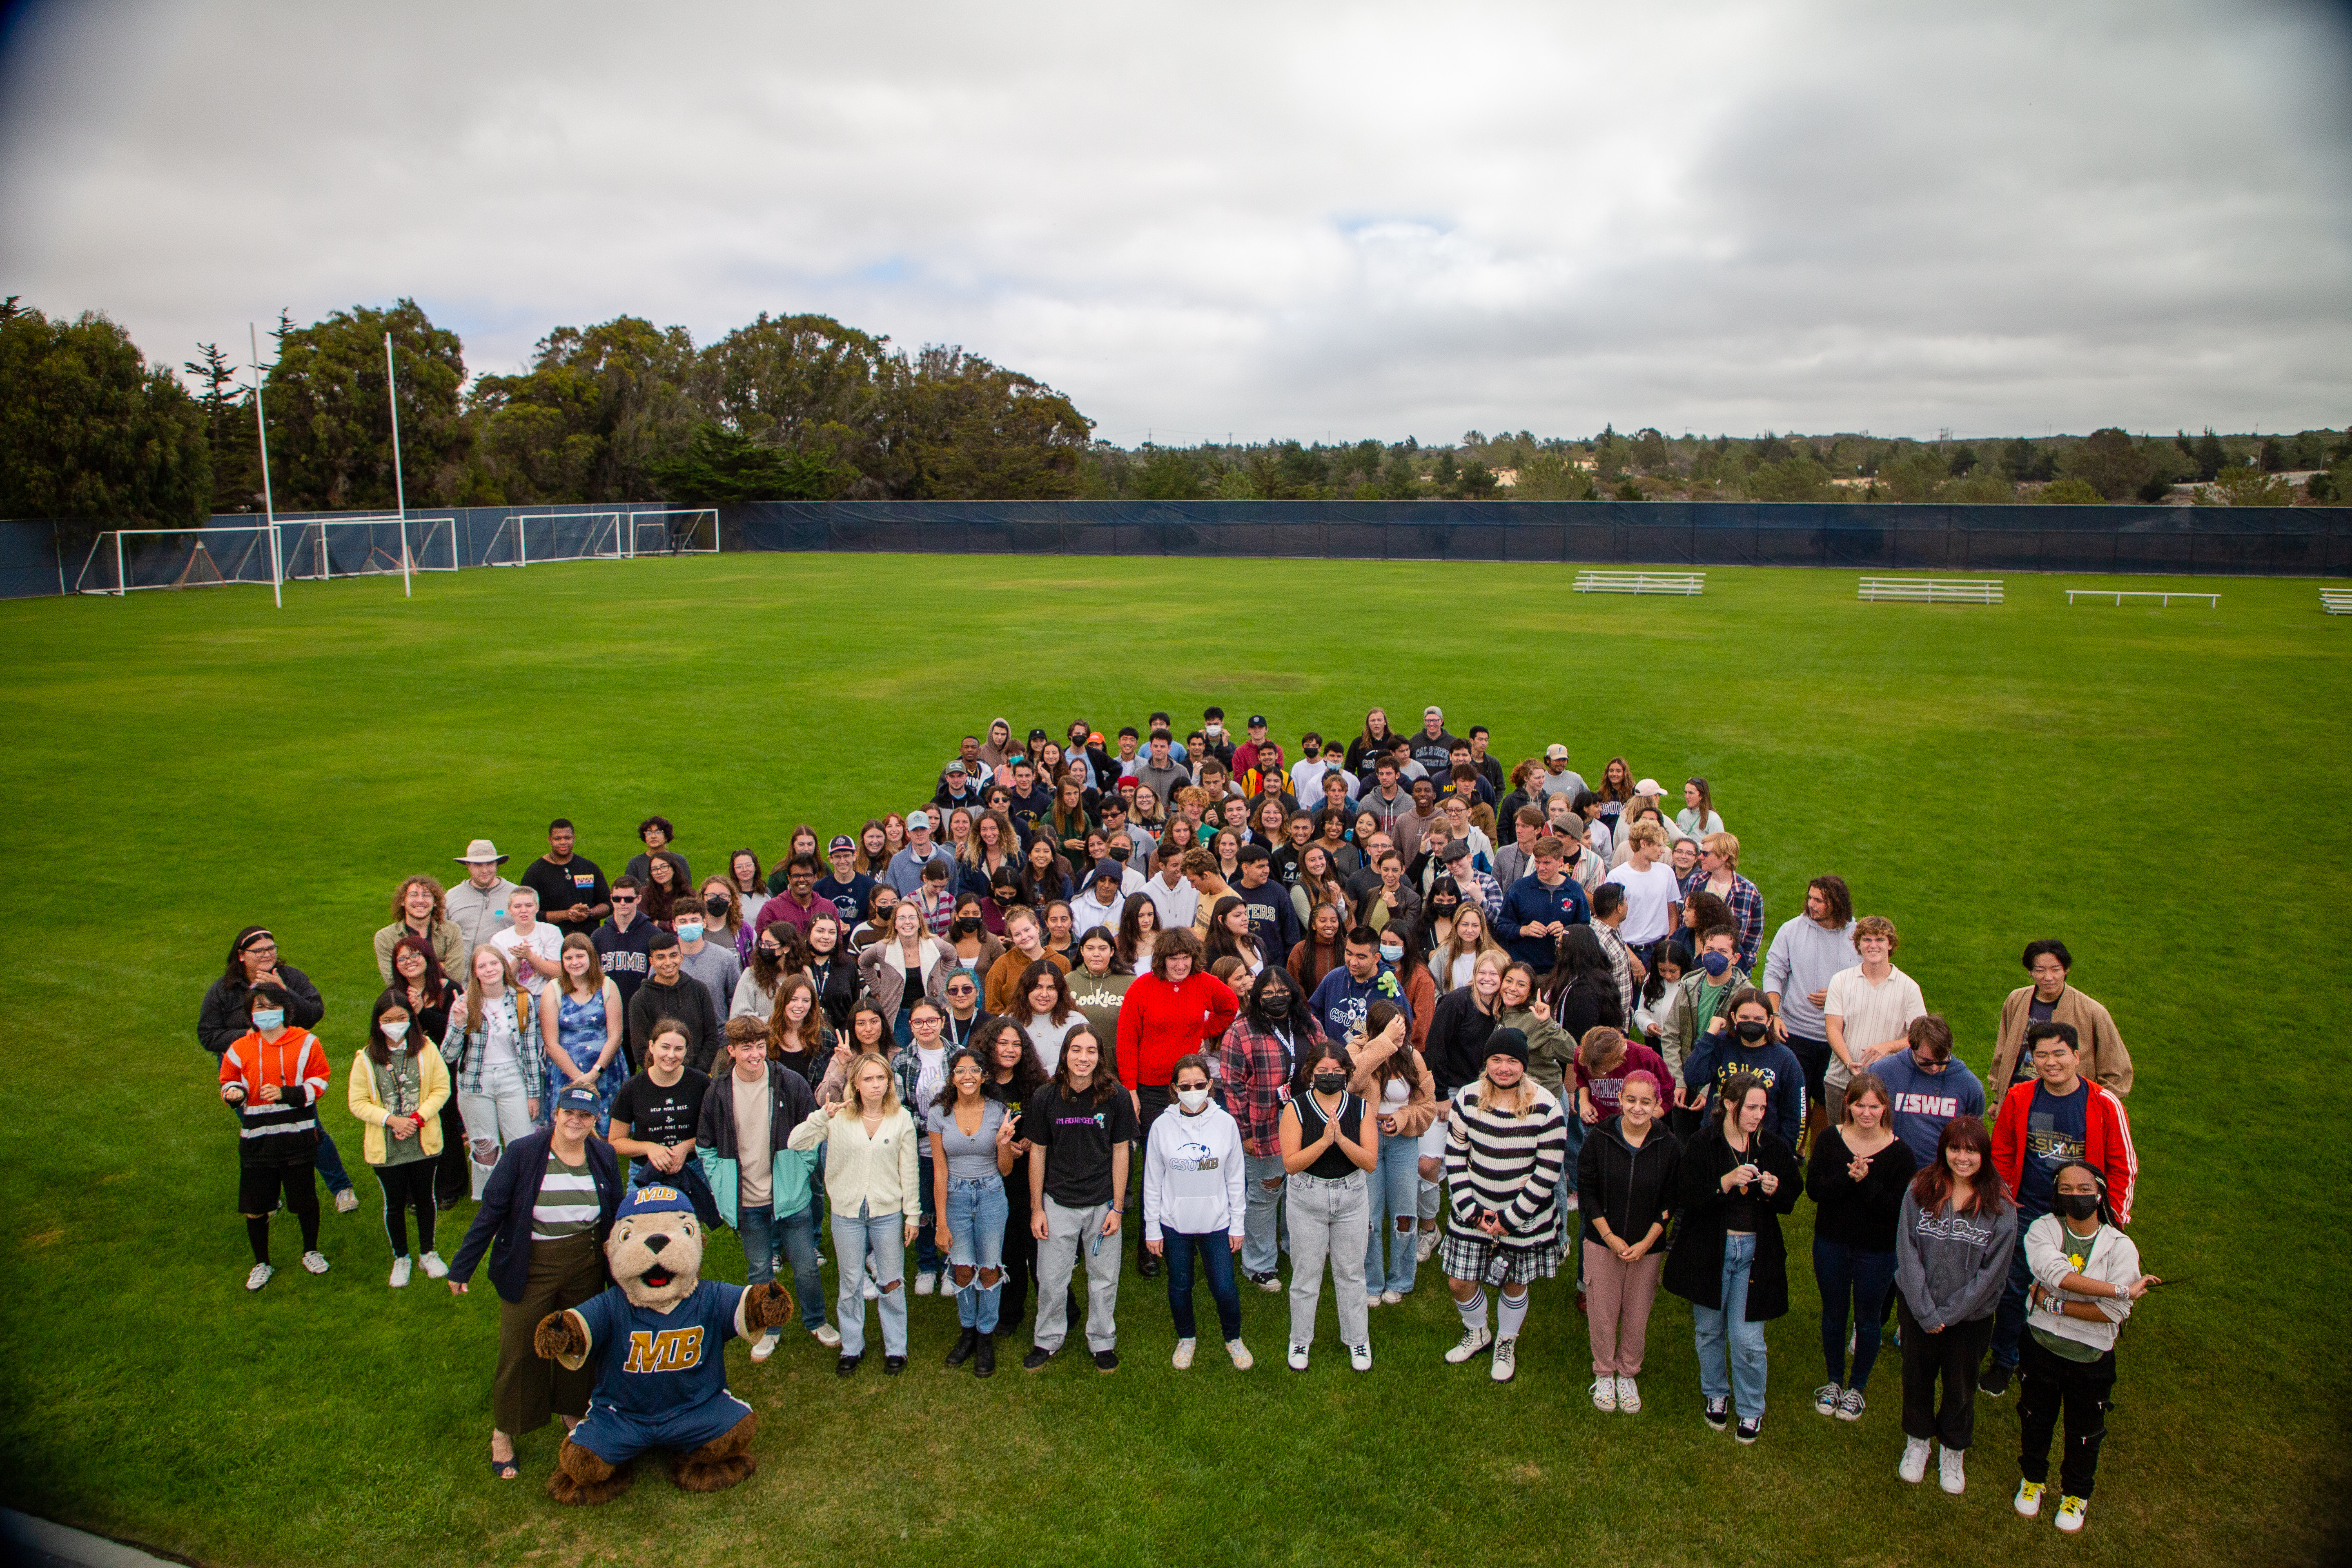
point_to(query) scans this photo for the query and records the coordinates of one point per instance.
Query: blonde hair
(474, 983)
(852, 1101)
(1487, 946)
(1645, 833)
(1725, 845)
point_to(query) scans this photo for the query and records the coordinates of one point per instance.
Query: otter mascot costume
(658, 1338)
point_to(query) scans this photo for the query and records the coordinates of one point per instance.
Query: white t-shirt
(1649, 897)
(1306, 782)
(544, 940)
(1871, 1014)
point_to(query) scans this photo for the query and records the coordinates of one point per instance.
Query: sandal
(505, 1469)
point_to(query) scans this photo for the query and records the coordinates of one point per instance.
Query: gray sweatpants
(1069, 1232)
(1328, 1220)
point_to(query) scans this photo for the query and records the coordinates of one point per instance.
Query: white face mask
(1192, 1099)
(396, 1033)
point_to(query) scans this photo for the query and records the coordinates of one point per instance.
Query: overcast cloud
(1268, 219)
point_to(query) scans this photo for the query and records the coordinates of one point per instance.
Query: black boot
(984, 1361)
(961, 1352)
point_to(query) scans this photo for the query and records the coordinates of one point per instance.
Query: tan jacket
(1420, 1109)
(2104, 1059)
(448, 946)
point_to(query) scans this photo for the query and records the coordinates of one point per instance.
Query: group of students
(1376, 1006)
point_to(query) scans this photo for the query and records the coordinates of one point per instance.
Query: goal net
(122, 560)
(367, 546)
(526, 540)
(675, 531)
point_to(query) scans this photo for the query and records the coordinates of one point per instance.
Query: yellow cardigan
(368, 1105)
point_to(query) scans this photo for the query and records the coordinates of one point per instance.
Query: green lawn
(2162, 789)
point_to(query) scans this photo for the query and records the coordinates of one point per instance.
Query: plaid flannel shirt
(1255, 1078)
(1746, 907)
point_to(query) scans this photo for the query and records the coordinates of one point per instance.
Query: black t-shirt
(623, 953)
(658, 1115)
(576, 881)
(1078, 1138)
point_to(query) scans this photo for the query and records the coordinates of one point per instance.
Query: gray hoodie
(1952, 1267)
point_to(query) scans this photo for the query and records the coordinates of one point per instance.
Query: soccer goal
(122, 560)
(673, 531)
(368, 546)
(521, 540)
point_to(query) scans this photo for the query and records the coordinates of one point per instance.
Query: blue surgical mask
(689, 931)
(268, 1018)
(1715, 963)
(1391, 952)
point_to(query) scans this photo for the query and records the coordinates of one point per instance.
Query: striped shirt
(567, 1204)
(285, 1130)
(1509, 1165)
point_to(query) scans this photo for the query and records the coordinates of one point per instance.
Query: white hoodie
(1192, 1173)
(2051, 1252)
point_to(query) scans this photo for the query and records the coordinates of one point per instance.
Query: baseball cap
(576, 1098)
(921, 819)
(843, 844)
(956, 766)
(1432, 711)
(1648, 787)
(662, 1200)
(1094, 737)
(1556, 750)
(1257, 720)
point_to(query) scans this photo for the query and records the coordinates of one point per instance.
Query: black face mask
(2079, 1205)
(1119, 852)
(717, 906)
(968, 926)
(1274, 1004)
(1748, 1029)
(1330, 1082)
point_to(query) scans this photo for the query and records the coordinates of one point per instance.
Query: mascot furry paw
(656, 1338)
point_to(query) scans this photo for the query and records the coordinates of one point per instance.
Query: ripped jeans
(496, 1115)
(976, 1211)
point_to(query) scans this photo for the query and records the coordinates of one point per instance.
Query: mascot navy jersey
(661, 1377)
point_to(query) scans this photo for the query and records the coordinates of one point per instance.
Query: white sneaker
(2028, 1501)
(315, 1262)
(1507, 1360)
(1390, 1298)
(1184, 1356)
(1360, 1357)
(1297, 1358)
(765, 1345)
(927, 1284)
(1425, 1246)
(1826, 1398)
(1913, 1468)
(826, 1335)
(1571, 1202)
(346, 1201)
(1473, 1341)
(1243, 1360)
(1605, 1395)
(434, 1268)
(820, 1260)
(873, 1292)
(2069, 1512)
(1629, 1397)
(259, 1276)
(1951, 1468)
(400, 1268)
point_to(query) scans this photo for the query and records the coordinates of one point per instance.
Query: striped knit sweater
(287, 1131)
(1509, 1165)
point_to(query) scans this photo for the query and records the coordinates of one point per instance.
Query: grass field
(2162, 789)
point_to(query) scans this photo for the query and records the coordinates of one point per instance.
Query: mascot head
(655, 1248)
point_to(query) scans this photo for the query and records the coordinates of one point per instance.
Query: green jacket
(790, 1103)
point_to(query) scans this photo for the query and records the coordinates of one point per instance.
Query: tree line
(786, 407)
(804, 407)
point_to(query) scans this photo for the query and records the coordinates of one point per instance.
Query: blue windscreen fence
(38, 558)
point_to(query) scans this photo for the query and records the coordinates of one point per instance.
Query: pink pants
(1617, 1297)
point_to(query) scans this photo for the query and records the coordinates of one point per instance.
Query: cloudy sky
(1273, 220)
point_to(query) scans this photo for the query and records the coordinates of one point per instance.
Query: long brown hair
(1104, 1081)
(1987, 1194)
(780, 1029)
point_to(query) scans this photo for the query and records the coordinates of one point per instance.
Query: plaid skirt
(1478, 1255)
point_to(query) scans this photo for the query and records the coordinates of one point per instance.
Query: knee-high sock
(1474, 1311)
(1510, 1313)
(256, 1231)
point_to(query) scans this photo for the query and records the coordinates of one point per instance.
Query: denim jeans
(1395, 1197)
(767, 1238)
(328, 1162)
(2009, 1318)
(1216, 1252)
(1727, 1329)
(1862, 1279)
(496, 1115)
(1261, 1214)
(883, 1237)
(1327, 1220)
(926, 1240)
(976, 1210)
(1576, 1131)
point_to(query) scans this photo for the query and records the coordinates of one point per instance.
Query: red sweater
(2106, 1142)
(1158, 1023)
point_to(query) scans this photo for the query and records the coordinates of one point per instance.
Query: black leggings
(454, 1180)
(405, 1186)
